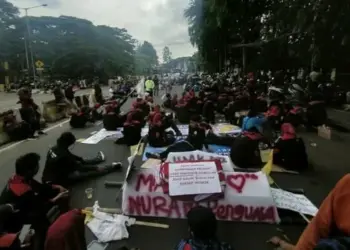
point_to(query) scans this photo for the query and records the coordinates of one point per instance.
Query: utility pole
(28, 42)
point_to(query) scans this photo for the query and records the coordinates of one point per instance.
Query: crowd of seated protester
(45, 205)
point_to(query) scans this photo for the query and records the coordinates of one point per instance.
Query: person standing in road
(156, 85)
(149, 86)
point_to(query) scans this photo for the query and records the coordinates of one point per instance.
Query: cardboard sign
(193, 178)
(295, 202)
(247, 197)
(197, 155)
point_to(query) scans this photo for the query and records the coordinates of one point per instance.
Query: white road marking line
(20, 142)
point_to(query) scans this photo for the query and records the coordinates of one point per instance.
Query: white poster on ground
(102, 134)
(193, 178)
(295, 202)
(183, 129)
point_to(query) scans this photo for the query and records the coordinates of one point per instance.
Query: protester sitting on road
(195, 140)
(203, 229)
(245, 151)
(32, 199)
(182, 111)
(330, 228)
(64, 168)
(29, 110)
(316, 113)
(167, 101)
(158, 124)
(142, 105)
(16, 130)
(67, 232)
(253, 120)
(174, 102)
(96, 112)
(112, 119)
(79, 118)
(132, 128)
(294, 115)
(289, 151)
(10, 240)
(209, 111)
(274, 114)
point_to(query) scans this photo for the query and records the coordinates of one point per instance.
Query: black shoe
(117, 165)
(152, 156)
(40, 132)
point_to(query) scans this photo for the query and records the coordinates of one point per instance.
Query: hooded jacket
(67, 232)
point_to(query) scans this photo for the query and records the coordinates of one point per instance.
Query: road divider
(51, 112)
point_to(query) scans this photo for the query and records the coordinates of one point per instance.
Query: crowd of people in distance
(267, 123)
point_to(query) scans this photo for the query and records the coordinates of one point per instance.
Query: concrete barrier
(4, 138)
(52, 112)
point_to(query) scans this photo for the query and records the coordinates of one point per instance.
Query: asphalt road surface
(330, 162)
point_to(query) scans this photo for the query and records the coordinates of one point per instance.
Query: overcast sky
(160, 22)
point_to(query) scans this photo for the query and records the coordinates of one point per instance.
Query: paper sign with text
(295, 202)
(198, 155)
(247, 197)
(193, 178)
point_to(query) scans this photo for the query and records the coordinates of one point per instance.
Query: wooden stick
(106, 210)
(151, 224)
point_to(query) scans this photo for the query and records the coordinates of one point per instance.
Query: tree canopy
(270, 34)
(146, 58)
(166, 55)
(70, 46)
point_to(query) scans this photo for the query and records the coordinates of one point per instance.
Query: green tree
(68, 46)
(166, 55)
(146, 58)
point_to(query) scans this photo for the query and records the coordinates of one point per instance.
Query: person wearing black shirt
(289, 150)
(32, 199)
(64, 168)
(195, 140)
